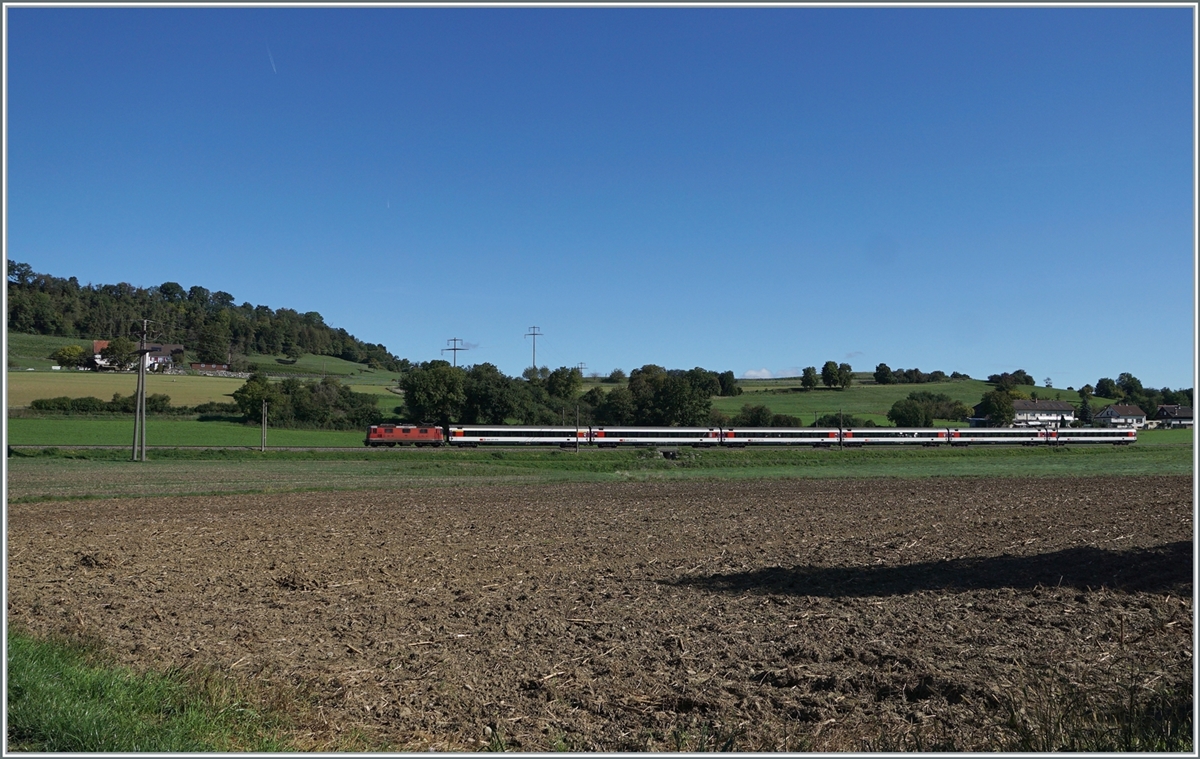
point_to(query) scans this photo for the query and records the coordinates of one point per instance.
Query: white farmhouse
(1042, 413)
(1119, 415)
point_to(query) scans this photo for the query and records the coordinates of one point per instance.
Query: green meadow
(866, 401)
(64, 473)
(67, 431)
(33, 351)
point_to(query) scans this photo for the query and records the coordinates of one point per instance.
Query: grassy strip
(1063, 717)
(67, 431)
(63, 697)
(68, 474)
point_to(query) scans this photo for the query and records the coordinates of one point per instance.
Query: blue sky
(970, 189)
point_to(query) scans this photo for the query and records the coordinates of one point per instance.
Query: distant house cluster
(160, 356)
(1062, 414)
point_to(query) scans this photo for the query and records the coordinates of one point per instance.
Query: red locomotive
(392, 435)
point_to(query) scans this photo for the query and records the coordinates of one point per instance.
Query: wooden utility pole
(264, 426)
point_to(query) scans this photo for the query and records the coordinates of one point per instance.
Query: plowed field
(787, 614)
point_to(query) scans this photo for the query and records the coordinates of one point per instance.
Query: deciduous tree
(829, 374)
(489, 396)
(69, 356)
(909, 413)
(808, 378)
(753, 416)
(564, 382)
(120, 353)
(1106, 388)
(434, 392)
(845, 375)
(998, 407)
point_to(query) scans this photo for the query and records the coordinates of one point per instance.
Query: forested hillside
(205, 322)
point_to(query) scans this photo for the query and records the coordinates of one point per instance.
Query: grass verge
(1063, 717)
(69, 474)
(165, 430)
(64, 697)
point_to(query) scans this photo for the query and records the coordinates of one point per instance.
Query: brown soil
(780, 614)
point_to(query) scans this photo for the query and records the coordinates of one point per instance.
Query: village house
(1031, 414)
(1120, 415)
(1173, 417)
(1042, 413)
(160, 355)
(164, 355)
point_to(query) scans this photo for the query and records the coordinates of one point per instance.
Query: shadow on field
(1162, 568)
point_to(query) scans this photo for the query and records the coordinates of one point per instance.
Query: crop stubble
(785, 614)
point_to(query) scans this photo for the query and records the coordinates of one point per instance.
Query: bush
(123, 404)
(910, 413)
(217, 408)
(61, 404)
(718, 418)
(87, 405)
(845, 421)
(158, 403)
(753, 416)
(69, 356)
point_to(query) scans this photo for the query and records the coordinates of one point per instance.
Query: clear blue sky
(971, 189)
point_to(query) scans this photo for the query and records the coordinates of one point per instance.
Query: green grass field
(61, 472)
(864, 401)
(782, 396)
(33, 351)
(65, 431)
(165, 430)
(385, 399)
(184, 390)
(328, 366)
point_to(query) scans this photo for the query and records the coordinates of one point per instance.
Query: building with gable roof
(1174, 417)
(1120, 415)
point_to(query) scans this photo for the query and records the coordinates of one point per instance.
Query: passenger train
(470, 436)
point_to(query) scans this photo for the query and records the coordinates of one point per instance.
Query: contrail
(272, 59)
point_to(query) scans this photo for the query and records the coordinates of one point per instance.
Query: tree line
(885, 375)
(1128, 390)
(206, 322)
(437, 393)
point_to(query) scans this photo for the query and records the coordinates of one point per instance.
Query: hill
(207, 323)
(866, 401)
